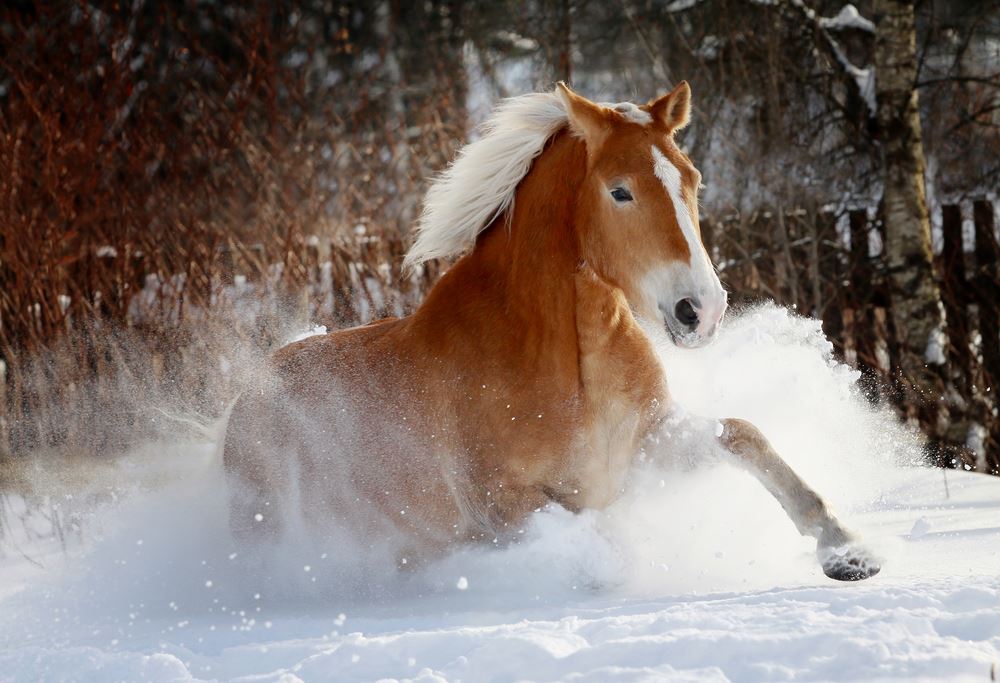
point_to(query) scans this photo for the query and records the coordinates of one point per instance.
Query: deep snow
(695, 574)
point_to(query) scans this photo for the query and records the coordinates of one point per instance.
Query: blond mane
(478, 186)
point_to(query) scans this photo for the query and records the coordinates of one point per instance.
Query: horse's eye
(621, 195)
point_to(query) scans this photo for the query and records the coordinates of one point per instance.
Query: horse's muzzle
(691, 324)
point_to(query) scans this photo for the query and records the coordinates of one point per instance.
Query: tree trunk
(565, 42)
(916, 300)
(429, 40)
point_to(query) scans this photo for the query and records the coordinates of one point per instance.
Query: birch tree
(916, 300)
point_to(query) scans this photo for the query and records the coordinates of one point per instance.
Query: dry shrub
(184, 185)
(176, 196)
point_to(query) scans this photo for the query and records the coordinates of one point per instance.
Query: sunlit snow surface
(695, 574)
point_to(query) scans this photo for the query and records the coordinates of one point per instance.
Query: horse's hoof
(848, 562)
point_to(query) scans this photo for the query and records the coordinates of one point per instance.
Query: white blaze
(700, 282)
(670, 176)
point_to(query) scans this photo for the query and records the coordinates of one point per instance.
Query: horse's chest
(624, 392)
(610, 446)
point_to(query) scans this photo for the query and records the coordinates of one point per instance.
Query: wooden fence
(830, 266)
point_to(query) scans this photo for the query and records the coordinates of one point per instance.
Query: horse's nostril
(685, 313)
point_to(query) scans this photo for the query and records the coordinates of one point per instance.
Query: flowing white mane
(479, 185)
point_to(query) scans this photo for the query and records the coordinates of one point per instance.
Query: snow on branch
(681, 5)
(848, 18)
(860, 80)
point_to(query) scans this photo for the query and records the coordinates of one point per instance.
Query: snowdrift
(695, 574)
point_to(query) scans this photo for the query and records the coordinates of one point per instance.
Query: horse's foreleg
(838, 551)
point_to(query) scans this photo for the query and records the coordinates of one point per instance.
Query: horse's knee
(742, 438)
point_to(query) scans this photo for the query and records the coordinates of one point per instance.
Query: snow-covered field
(693, 575)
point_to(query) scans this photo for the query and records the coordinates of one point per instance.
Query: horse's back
(326, 434)
(289, 405)
(312, 364)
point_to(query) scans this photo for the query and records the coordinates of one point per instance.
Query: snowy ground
(694, 575)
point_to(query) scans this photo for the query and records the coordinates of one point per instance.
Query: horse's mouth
(685, 339)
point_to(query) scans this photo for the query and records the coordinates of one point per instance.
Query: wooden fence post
(826, 257)
(343, 309)
(986, 290)
(860, 276)
(227, 267)
(139, 272)
(256, 263)
(954, 288)
(312, 261)
(105, 267)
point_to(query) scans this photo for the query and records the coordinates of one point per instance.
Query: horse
(527, 376)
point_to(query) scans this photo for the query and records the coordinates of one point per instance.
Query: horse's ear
(586, 119)
(673, 110)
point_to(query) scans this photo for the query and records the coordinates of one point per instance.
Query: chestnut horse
(525, 376)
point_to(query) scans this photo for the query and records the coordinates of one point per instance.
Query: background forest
(183, 185)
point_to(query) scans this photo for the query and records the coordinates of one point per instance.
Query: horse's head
(637, 212)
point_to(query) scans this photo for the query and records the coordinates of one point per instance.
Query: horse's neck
(517, 284)
(536, 257)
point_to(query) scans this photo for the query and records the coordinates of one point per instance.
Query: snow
(848, 17)
(709, 47)
(516, 41)
(936, 344)
(863, 77)
(694, 575)
(681, 5)
(313, 331)
(975, 441)
(933, 614)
